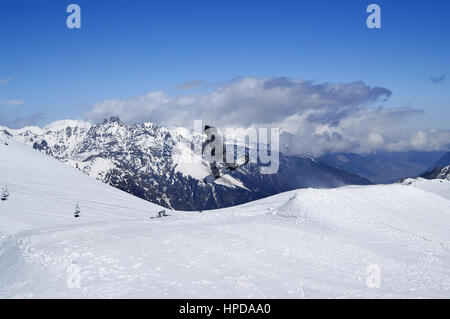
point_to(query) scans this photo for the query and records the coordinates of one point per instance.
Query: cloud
(246, 101)
(190, 85)
(4, 81)
(20, 122)
(314, 118)
(438, 79)
(11, 102)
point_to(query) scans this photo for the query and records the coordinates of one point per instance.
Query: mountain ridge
(144, 160)
(384, 167)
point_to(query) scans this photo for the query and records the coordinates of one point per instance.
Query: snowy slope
(44, 193)
(307, 243)
(437, 186)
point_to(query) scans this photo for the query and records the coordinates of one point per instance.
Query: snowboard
(226, 170)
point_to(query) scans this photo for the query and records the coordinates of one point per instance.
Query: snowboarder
(77, 210)
(214, 152)
(5, 193)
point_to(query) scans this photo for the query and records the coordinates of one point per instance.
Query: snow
(188, 163)
(437, 186)
(58, 125)
(181, 131)
(99, 166)
(32, 129)
(44, 191)
(309, 243)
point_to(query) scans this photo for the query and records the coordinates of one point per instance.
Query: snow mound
(293, 208)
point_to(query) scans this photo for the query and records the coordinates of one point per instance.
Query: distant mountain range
(146, 160)
(385, 167)
(443, 161)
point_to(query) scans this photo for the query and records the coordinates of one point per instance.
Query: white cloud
(314, 118)
(19, 122)
(11, 102)
(4, 81)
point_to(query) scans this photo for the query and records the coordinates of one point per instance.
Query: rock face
(146, 160)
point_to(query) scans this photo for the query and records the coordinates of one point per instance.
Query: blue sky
(129, 48)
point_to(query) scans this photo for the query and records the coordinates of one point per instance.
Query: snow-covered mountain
(308, 243)
(438, 173)
(440, 169)
(146, 160)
